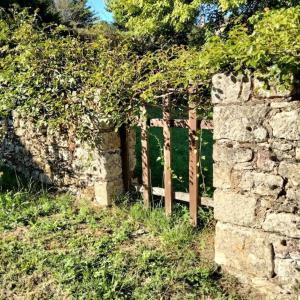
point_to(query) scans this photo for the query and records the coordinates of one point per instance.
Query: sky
(99, 7)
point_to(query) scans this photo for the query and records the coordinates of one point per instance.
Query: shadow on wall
(28, 156)
(57, 159)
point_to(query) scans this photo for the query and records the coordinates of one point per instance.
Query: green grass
(180, 157)
(52, 247)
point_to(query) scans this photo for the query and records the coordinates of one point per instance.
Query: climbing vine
(60, 76)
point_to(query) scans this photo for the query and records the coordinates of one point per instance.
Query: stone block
(287, 203)
(243, 250)
(282, 145)
(281, 104)
(107, 191)
(261, 183)
(87, 193)
(20, 132)
(286, 125)
(230, 88)
(239, 123)
(298, 153)
(222, 175)
(283, 223)
(290, 171)
(283, 155)
(231, 153)
(286, 248)
(288, 269)
(234, 208)
(243, 166)
(260, 134)
(110, 166)
(293, 194)
(104, 165)
(260, 90)
(266, 160)
(108, 141)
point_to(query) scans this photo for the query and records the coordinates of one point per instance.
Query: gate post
(124, 136)
(193, 159)
(146, 176)
(167, 155)
(257, 181)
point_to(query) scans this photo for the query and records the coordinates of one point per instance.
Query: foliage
(186, 21)
(74, 12)
(76, 251)
(255, 5)
(270, 49)
(163, 17)
(45, 8)
(67, 12)
(100, 73)
(61, 77)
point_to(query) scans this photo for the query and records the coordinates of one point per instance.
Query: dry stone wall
(55, 157)
(257, 181)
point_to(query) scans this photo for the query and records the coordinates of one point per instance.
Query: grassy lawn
(52, 247)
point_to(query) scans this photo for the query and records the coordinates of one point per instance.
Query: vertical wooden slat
(167, 156)
(193, 164)
(146, 177)
(125, 157)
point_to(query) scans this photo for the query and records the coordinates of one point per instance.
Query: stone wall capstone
(56, 157)
(257, 180)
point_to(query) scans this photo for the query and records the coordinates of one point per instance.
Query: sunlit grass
(55, 247)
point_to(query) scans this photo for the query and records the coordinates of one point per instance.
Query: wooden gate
(193, 125)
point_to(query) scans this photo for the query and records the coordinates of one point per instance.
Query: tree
(186, 21)
(45, 8)
(169, 18)
(69, 12)
(74, 12)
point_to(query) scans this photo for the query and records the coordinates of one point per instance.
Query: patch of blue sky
(98, 6)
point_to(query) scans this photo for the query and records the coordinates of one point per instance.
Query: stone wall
(257, 181)
(56, 157)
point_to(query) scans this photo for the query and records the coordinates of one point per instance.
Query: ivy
(64, 78)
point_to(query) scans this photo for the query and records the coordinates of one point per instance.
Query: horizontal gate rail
(178, 123)
(181, 123)
(179, 196)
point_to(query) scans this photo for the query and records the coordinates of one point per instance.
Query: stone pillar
(56, 157)
(257, 181)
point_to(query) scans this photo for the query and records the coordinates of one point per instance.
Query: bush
(70, 78)
(63, 77)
